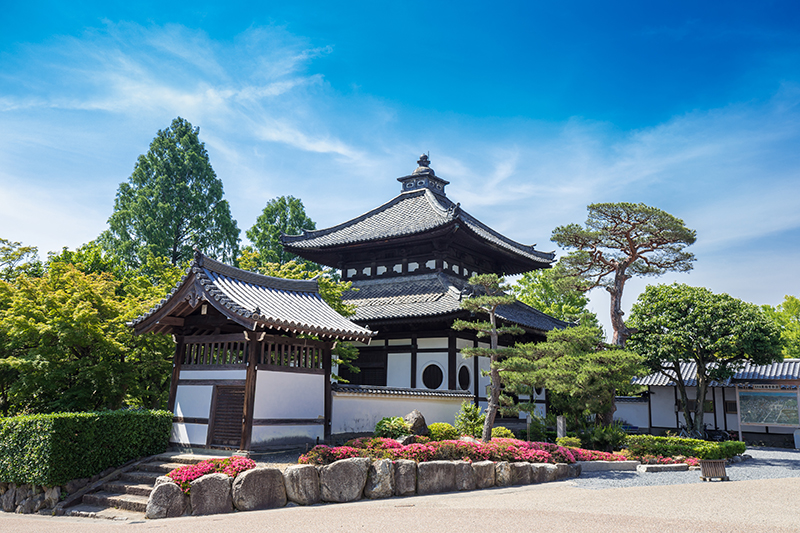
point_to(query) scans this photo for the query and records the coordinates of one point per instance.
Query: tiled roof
(428, 295)
(256, 300)
(786, 370)
(409, 213)
(393, 391)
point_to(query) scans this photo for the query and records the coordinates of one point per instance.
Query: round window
(463, 378)
(432, 376)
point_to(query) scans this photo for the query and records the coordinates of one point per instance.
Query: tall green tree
(490, 294)
(552, 292)
(580, 372)
(787, 316)
(172, 203)
(677, 323)
(619, 241)
(16, 259)
(282, 215)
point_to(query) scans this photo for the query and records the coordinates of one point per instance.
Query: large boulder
(562, 471)
(434, 477)
(502, 474)
(380, 480)
(9, 498)
(520, 473)
(484, 474)
(52, 496)
(405, 440)
(551, 472)
(167, 500)
(417, 423)
(23, 492)
(302, 484)
(258, 488)
(465, 476)
(343, 481)
(538, 473)
(211, 494)
(405, 477)
(160, 480)
(575, 469)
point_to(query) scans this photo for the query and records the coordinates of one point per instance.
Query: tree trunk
(494, 374)
(700, 395)
(621, 332)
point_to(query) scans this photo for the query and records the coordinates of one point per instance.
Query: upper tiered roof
(421, 211)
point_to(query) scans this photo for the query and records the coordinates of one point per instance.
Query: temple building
(409, 261)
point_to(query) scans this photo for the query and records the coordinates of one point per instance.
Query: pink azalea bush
(593, 455)
(232, 466)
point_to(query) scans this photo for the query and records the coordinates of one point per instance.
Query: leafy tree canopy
(282, 215)
(787, 316)
(678, 323)
(552, 292)
(619, 241)
(16, 259)
(172, 203)
(580, 372)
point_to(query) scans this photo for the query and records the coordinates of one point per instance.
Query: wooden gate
(225, 426)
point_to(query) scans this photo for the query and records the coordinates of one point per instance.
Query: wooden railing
(271, 351)
(228, 349)
(290, 352)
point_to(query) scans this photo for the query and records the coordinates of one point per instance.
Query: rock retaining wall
(345, 481)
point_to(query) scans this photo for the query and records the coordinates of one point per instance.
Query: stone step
(186, 458)
(140, 477)
(160, 467)
(127, 487)
(100, 512)
(129, 502)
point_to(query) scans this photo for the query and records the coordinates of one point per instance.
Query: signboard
(759, 407)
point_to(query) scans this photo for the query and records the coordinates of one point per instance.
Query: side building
(409, 261)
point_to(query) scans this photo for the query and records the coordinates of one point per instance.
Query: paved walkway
(746, 506)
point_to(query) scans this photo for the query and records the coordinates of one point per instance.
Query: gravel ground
(766, 463)
(280, 459)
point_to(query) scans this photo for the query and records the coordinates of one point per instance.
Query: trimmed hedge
(639, 445)
(55, 448)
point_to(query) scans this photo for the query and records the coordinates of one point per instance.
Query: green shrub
(55, 448)
(603, 438)
(639, 445)
(569, 442)
(442, 431)
(392, 427)
(469, 420)
(501, 432)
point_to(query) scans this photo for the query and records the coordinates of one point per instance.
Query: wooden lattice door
(227, 416)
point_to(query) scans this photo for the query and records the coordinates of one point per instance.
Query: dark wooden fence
(272, 351)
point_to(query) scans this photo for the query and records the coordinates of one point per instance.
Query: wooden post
(177, 360)
(326, 366)
(250, 388)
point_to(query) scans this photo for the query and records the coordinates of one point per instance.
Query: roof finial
(424, 161)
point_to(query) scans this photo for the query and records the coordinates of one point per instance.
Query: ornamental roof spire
(423, 178)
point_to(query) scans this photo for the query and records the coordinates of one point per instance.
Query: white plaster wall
(398, 370)
(360, 413)
(265, 436)
(463, 343)
(424, 359)
(399, 342)
(189, 434)
(634, 414)
(433, 342)
(193, 401)
(289, 395)
(213, 374)
(662, 405)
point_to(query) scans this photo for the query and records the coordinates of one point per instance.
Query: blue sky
(532, 110)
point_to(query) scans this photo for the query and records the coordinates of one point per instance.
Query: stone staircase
(124, 496)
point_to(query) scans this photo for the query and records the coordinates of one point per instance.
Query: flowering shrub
(232, 466)
(416, 452)
(559, 454)
(593, 455)
(325, 455)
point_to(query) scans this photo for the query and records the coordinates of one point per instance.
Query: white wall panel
(398, 370)
(266, 436)
(194, 434)
(433, 342)
(193, 401)
(289, 395)
(425, 359)
(213, 374)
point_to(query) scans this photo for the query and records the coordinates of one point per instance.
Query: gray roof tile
(428, 295)
(786, 370)
(286, 304)
(394, 391)
(409, 213)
